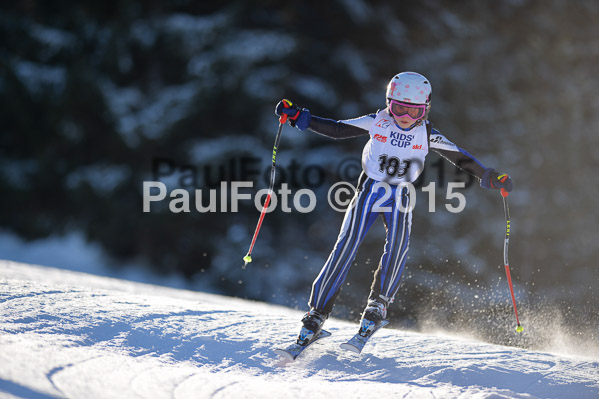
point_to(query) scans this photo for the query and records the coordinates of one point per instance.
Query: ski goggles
(413, 111)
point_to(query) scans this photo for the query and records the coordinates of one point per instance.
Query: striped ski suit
(381, 192)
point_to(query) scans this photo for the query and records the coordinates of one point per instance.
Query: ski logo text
(380, 138)
(384, 123)
(417, 147)
(440, 140)
(401, 140)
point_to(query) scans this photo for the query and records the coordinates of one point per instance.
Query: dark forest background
(98, 97)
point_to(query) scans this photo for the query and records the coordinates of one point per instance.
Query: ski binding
(293, 351)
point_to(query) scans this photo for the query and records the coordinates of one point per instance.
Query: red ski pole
(282, 119)
(506, 244)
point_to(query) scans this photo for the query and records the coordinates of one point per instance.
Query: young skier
(400, 138)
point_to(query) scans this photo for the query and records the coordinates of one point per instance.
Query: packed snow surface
(65, 334)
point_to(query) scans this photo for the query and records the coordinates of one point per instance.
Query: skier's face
(406, 114)
(412, 111)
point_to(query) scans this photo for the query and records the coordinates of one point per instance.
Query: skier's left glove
(297, 117)
(492, 179)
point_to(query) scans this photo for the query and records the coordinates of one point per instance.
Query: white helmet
(409, 87)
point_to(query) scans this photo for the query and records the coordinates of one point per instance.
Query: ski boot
(313, 321)
(374, 314)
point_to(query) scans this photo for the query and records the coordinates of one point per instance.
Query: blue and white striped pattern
(372, 200)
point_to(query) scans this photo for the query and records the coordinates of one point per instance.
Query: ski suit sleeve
(342, 129)
(456, 155)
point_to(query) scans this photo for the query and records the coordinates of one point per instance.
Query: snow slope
(73, 335)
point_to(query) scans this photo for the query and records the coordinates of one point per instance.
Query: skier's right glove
(297, 117)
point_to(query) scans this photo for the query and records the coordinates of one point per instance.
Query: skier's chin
(405, 124)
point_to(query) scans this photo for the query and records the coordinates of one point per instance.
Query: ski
(293, 351)
(367, 330)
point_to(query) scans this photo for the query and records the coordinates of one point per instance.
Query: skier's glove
(298, 117)
(494, 180)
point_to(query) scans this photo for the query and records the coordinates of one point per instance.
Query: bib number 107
(393, 166)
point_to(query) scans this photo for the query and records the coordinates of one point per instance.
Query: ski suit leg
(399, 224)
(358, 219)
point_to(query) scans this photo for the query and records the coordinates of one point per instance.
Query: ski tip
(349, 347)
(284, 354)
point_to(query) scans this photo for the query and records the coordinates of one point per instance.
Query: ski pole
(506, 244)
(282, 119)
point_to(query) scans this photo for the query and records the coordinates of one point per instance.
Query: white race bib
(393, 155)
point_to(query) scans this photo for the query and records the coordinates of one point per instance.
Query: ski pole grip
(503, 191)
(283, 117)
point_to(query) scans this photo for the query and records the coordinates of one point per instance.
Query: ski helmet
(409, 87)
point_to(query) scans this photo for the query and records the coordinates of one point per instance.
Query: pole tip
(519, 328)
(247, 259)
